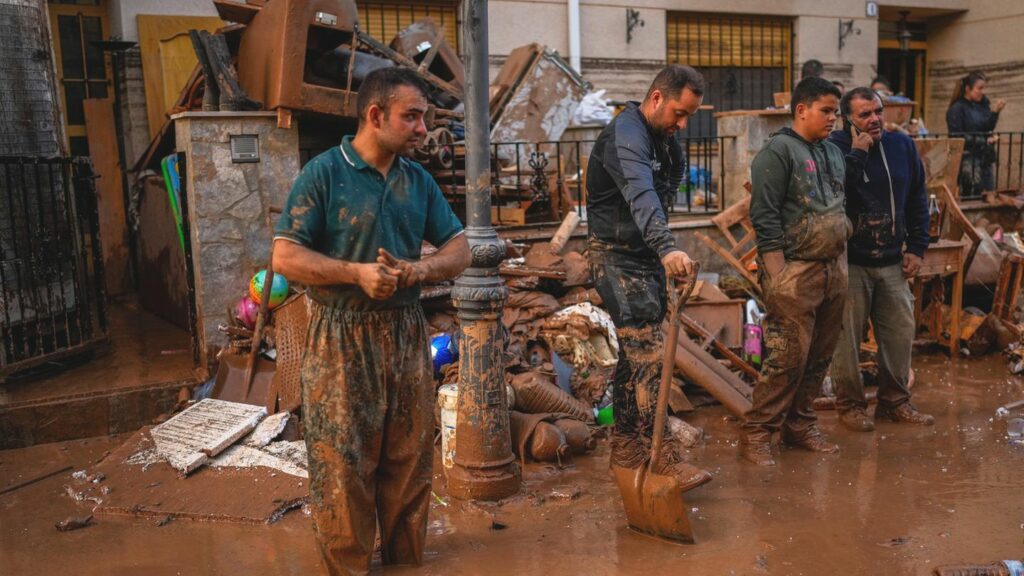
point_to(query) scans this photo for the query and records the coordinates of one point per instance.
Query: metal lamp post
(484, 466)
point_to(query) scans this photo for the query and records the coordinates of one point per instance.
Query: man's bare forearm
(448, 262)
(300, 264)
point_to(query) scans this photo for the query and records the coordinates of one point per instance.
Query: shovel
(654, 502)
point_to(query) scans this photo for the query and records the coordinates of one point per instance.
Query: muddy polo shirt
(344, 208)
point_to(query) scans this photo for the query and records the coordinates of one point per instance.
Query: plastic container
(448, 399)
(752, 350)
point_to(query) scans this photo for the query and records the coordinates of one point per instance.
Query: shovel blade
(654, 504)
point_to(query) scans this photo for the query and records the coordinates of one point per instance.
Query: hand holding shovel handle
(678, 296)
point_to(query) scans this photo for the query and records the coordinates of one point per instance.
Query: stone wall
(228, 207)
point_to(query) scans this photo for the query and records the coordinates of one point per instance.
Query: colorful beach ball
(278, 292)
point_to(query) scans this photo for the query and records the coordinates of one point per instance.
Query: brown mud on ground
(900, 500)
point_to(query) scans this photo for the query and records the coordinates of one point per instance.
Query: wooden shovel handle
(261, 319)
(678, 295)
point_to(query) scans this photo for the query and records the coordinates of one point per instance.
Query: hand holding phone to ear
(861, 139)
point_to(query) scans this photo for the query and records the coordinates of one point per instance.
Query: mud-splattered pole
(484, 467)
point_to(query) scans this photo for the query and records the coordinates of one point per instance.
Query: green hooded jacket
(797, 202)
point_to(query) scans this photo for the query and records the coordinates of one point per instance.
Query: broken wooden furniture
(942, 259)
(955, 223)
(941, 159)
(423, 42)
(279, 45)
(742, 251)
(1004, 305)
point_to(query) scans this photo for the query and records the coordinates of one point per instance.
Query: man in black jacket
(887, 202)
(633, 175)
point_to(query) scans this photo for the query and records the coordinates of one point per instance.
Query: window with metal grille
(744, 59)
(383, 19)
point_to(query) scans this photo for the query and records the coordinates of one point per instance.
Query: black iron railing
(533, 182)
(987, 167)
(52, 296)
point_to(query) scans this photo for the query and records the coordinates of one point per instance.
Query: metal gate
(744, 60)
(52, 300)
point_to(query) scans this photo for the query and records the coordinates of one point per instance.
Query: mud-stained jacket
(632, 176)
(797, 200)
(886, 199)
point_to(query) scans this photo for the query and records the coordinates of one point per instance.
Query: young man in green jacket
(797, 208)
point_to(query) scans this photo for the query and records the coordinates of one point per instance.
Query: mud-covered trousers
(368, 423)
(634, 295)
(882, 295)
(804, 313)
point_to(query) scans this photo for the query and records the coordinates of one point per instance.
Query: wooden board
(163, 86)
(941, 158)
(102, 135)
(722, 318)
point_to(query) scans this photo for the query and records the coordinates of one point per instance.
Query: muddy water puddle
(900, 500)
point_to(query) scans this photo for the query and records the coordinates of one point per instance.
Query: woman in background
(972, 117)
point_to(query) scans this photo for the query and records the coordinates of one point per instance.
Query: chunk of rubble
(205, 429)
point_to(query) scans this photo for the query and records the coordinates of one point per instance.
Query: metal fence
(533, 182)
(1001, 168)
(51, 267)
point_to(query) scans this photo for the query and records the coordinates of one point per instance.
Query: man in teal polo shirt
(352, 231)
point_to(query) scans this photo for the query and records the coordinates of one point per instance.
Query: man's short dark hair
(380, 85)
(672, 79)
(809, 90)
(812, 69)
(862, 92)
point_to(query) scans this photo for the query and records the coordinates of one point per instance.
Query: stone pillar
(230, 228)
(745, 133)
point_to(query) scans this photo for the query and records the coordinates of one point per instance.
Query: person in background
(880, 84)
(812, 69)
(887, 202)
(838, 84)
(973, 117)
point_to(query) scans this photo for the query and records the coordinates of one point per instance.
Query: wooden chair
(743, 250)
(941, 158)
(957, 225)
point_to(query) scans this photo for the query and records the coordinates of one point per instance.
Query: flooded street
(900, 500)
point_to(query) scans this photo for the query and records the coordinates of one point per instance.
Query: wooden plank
(731, 261)
(152, 31)
(694, 328)
(102, 136)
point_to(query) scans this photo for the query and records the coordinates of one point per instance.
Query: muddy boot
(904, 413)
(672, 464)
(627, 452)
(757, 451)
(811, 440)
(857, 420)
(232, 96)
